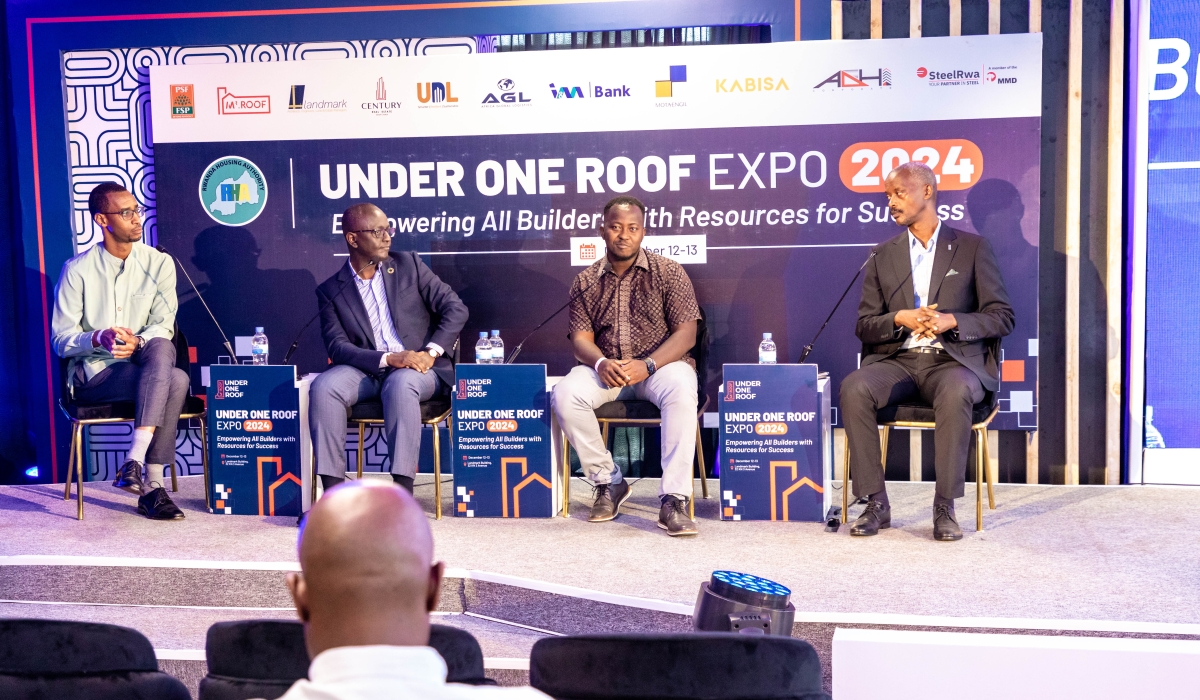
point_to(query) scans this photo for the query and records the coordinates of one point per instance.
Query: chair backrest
(183, 360)
(699, 353)
(54, 658)
(715, 666)
(263, 658)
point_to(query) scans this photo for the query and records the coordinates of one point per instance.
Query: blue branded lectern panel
(254, 440)
(502, 465)
(772, 445)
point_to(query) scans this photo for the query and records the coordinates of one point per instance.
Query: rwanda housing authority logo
(233, 191)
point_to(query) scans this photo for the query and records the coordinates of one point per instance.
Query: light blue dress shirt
(374, 297)
(921, 259)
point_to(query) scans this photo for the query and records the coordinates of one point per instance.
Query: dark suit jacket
(424, 308)
(974, 294)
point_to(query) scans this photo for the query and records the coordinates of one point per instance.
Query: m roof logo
(229, 103)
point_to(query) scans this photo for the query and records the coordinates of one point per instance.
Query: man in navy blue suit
(387, 334)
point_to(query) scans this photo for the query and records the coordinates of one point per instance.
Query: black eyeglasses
(378, 233)
(127, 214)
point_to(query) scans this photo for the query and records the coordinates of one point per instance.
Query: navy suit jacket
(965, 282)
(424, 308)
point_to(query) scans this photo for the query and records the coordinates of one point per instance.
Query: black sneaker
(673, 517)
(609, 498)
(157, 505)
(129, 478)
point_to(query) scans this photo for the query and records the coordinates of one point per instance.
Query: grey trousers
(951, 388)
(401, 391)
(672, 389)
(157, 387)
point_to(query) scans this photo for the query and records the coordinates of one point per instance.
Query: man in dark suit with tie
(933, 310)
(387, 329)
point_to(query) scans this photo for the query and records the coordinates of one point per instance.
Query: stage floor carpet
(1052, 559)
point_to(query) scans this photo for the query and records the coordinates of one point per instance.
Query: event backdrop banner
(761, 166)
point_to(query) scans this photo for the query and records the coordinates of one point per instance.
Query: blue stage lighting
(736, 602)
(32, 472)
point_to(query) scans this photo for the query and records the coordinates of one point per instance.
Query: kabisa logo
(751, 84)
(856, 78)
(593, 90)
(666, 88)
(380, 106)
(297, 103)
(950, 77)
(233, 191)
(436, 93)
(508, 94)
(229, 103)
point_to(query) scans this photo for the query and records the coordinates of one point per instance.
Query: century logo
(233, 191)
(751, 84)
(857, 78)
(508, 94)
(381, 105)
(229, 103)
(436, 93)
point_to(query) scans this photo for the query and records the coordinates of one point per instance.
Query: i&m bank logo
(233, 191)
(183, 101)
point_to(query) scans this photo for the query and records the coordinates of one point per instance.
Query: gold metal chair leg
(79, 473)
(980, 447)
(437, 473)
(71, 462)
(566, 476)
(845, 482)
(204, 462)
(700, 463)
(991, 473)
(174, 465)
(883, 443)
(362, 429)
(312, 449)
(604, 425)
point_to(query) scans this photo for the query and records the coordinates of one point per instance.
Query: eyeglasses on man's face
(128, 214)
(378, 233)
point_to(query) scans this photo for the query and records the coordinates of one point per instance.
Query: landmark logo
(183, 101)
(298, 103)
(435, 93)
(229, 103)
(856, 78)
(751, 84)
(381, 106)
(666, 88)
(233, 191)
(508, 95)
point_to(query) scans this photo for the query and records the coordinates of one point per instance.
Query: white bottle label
(766, 357)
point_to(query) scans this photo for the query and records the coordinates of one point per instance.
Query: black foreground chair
(263, 658)
(705, 666)
(57, 659)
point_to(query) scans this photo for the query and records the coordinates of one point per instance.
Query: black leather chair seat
(716, 666)
(373, 410)
(923, 413)
(628, 410)
(192, 405)
(263, 658)
(123, 410)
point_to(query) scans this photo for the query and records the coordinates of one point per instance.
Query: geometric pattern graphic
(110, 139)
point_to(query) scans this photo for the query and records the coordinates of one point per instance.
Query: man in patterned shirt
(633, 321)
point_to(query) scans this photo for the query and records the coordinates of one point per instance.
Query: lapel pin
(391, 270)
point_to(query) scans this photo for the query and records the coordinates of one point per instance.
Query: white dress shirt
(374, 297)
(921, 258)
(377, 672)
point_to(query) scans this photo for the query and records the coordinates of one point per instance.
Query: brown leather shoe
(673, 517)
(945, 526)
(875, 517)
(609, 498)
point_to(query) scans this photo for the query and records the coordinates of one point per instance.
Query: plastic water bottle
(766, 350)
(497, 349)
(258, 347)
(1154, 439)
(483, 349)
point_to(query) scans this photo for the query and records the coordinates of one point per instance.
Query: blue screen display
(1173, 226)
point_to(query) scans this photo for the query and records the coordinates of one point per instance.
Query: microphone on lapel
(321, 307)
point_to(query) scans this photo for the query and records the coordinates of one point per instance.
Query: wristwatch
(651, 366)
(433, 353)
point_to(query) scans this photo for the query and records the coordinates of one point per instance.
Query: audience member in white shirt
(366, 588)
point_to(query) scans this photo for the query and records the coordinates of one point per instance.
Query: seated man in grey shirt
(114, 317)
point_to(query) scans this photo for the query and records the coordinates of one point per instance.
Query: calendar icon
(587, 251)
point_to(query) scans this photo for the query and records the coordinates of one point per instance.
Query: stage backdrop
(762, 167)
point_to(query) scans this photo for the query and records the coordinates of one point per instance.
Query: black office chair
(714, 666)
(59, 659)
(81, 415)
(645, 413)
(263, 658)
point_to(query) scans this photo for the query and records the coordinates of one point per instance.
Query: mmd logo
(435, 93)
(507, 94)
(568, 93)
(855, 78)
(996, 80)
(666, 88)
(462, 389)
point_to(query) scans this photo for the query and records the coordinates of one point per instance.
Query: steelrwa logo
(958, 76)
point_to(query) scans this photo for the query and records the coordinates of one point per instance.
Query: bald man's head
(911, 191)
(367, 232)
(366, 555)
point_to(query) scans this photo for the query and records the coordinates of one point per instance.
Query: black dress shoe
(157, 505)
(673, 517)
(609, 498)
(945, 526)
(876, 517)
(129, 478)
